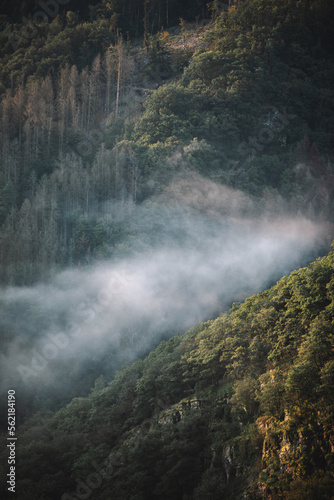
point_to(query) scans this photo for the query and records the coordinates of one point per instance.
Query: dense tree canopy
(101, 106)
(240, 403)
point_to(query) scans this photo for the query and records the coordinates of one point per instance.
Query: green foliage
(238, 405)
(176, 115)
(241, 403)
(251, 106)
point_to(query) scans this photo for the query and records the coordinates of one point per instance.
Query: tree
(8, 199)
(73, 97)
(109, 71)
(62, 106)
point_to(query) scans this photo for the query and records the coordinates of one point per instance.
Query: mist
(205, 252)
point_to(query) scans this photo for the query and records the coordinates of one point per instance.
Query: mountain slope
(90, 122)
(117, 130)
(239, 404)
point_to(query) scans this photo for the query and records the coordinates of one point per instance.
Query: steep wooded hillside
(197, 138)
(241, 405)
(246, 101)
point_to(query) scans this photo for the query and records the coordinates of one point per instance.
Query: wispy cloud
(214, 251)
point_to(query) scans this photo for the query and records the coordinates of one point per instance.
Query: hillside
(240, 405)
(246, 104)
(166, 165)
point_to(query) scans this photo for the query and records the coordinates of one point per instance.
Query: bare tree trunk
(145, 24)
(120, 49)
(73, 96)
(108, 68)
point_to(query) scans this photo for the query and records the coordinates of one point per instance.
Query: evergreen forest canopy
(246, 102)
(240, 405)
(131, 127)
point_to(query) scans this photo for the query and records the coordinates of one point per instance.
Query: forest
(166, 271)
